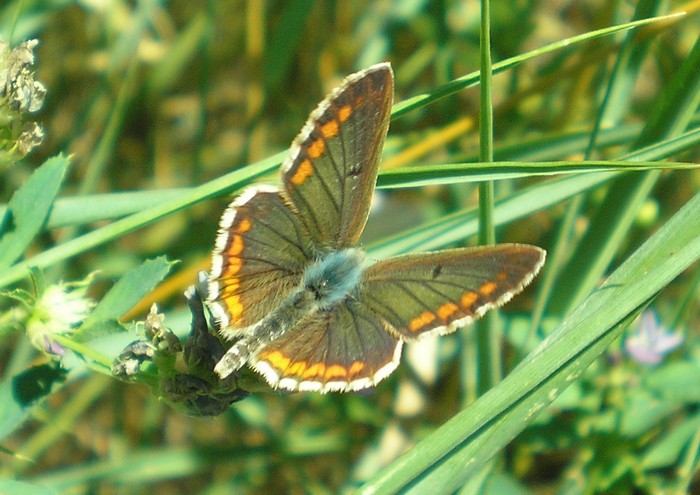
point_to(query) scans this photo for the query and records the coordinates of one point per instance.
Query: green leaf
(128, 291)
(28, 209)
(676, 382)
(20, 392)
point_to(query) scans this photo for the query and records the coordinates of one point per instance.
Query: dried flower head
(17, 81)
(20, 94)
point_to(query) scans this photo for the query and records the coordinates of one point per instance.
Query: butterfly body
(297, 298)
(334, 277)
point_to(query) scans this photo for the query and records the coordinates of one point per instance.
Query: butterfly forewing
(332, 168)
(344, 348)
(438, 292)
(259, 259)
(288, 285)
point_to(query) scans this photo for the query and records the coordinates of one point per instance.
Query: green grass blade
(288, 32)
(14, 486)
(179, 57)
(498, 415)
(456, 173)
(489, 338)
(610, 226)
(463, 223)
(82, 210)
(472, 78)
(115, 230)
(678, 103)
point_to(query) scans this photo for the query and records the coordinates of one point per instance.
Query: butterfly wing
(439, 292)
(259, 258)
(332, 167)
(345, 348)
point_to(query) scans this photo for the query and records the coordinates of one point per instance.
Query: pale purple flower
(651, 341)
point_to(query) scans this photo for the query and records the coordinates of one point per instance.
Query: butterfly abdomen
(296, 306)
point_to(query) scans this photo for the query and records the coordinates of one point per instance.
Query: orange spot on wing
(276, 359)
(327, 373)
(447, 310)
(356, 367)
(330, 129)
(314, 371)
(303, 172)
(468, 298)
(236, 246)
(235, 308)
(232, 266)
(502, 276)
(316, 149)
(231, 287)
(420, 321)
(488, 288)
(296, 368)
(243, 226)
(335, 371)
(344, 113)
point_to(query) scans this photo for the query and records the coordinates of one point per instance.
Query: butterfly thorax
(331, 279)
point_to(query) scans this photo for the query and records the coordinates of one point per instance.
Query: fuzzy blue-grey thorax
(334, 276)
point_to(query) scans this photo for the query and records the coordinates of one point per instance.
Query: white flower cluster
(59, 310)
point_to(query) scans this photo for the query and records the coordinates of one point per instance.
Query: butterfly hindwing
(259, 258)
(332, 167)
(344, 348)
(441, 291)
(293, 293)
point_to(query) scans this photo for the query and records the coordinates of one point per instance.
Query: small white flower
(61, 308)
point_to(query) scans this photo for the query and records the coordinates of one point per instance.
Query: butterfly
(301, 303)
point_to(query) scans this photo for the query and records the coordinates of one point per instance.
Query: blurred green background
(152, 96)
